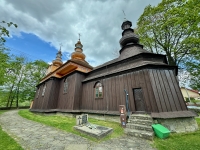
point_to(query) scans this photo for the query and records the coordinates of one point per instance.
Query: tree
(3, 31)
(35, 72)
(4, 57)
(16, 73)
(172, 28)
(22, 77)
(193, 67)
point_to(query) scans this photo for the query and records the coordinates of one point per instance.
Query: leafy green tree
(4, 57)
(22, 78)
(35, 72)
(3, 31)
(15, 76)
(193, 67)
(171, 28)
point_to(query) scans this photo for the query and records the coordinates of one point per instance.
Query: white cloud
(99, 22)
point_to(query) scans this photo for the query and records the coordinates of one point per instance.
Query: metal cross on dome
(124, 15)
(60, 46)
(79, 36)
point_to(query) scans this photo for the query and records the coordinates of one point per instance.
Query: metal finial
(60, 46)
(79, 36)
(124, 15)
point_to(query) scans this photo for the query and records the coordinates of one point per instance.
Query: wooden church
(75, 86)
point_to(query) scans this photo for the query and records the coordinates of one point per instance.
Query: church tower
(55, 63)
(78, 54)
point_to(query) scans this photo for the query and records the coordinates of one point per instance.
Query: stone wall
(179, 125)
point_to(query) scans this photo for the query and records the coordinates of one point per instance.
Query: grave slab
(96, 131)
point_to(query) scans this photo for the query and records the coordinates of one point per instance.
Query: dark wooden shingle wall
(160, 89)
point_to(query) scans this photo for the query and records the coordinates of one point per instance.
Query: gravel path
(35, 136)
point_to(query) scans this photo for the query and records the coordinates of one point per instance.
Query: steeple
(128, 36)
(78, 54)
(58, 61)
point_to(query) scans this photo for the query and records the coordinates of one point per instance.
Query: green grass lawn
(67, 123)
(184, 141)
(2, 111)
(6, 142)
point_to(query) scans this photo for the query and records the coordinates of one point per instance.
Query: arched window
(44, 88)
(98, 90)
(38, 93)
(65, 86)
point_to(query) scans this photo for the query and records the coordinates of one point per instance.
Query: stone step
(139, 127)
(141, 122)
(138, 133)
(140, 117)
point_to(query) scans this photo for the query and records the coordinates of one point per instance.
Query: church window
(38, 93)
(98, 90)
(44, 88)
(65, 86)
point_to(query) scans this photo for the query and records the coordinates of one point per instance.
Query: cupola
(128, 36)
(58, 61)
(78, 54)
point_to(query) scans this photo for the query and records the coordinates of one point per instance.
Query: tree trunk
(17, 101)
(9, 97)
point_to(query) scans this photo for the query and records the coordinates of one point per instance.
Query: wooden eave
(128, 68)
(65, 69)
(144, 63)
(117, 60)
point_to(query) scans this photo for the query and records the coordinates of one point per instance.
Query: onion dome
(58, 61)
(128, 36)
(78, 54)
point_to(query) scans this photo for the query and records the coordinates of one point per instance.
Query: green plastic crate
(160, 131)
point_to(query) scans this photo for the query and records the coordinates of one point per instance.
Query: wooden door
(139, 100)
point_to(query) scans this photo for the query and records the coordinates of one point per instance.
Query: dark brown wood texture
(114, 95)
(66, 100)
(41, 102)
(78, 91)
(167, 93)
(160, 90)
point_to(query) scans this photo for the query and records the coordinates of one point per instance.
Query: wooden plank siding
(41, 102)
(160, 90)
(166, 90)
(178, 91)
(66, 100)
(149, 92)
(114, 95)
(78, 91)
(53, 96)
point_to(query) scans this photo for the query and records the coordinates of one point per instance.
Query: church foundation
(179, 125)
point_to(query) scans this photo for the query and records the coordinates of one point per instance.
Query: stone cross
(78, 120)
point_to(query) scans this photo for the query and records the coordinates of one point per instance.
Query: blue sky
(32, 47)
(43, 25)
